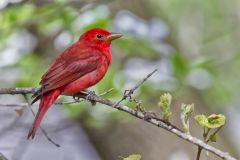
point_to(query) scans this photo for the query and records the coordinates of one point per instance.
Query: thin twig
(206, 140)
(214, 133)
(199, 153)
(129, 92)
(106, 92)
(14, 105)
(13, 91)
(42, 129)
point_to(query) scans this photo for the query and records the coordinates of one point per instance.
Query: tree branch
(136, 113)
(13, 91)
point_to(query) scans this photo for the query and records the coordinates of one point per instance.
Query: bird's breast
(87, 80)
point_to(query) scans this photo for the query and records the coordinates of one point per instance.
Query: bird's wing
(72, 64)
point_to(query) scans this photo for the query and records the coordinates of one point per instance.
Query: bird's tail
(46, 101)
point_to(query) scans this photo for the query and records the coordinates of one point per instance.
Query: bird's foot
(82, 94)
(77, 96)
(88, 96)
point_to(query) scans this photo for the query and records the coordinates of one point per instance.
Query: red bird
(80, 66)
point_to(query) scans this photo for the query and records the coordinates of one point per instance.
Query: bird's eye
(99, 36)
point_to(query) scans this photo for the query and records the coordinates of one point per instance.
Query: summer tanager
(80, 66)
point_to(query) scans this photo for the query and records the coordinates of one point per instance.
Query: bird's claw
(89, 95)
(76, 98)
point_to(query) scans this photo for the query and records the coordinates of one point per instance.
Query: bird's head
(98, 36)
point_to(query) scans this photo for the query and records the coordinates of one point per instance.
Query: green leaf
(133, 157)
(201, 120)
(216, 120)
(186, 111)
(165, 102)
(212, 121)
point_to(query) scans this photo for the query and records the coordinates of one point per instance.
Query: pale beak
(113, 36)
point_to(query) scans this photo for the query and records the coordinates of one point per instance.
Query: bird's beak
(113, 36)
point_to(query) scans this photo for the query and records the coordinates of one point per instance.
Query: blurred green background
(194, 45)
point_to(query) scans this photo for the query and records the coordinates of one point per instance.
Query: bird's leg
(87, 94)
(77, 96)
